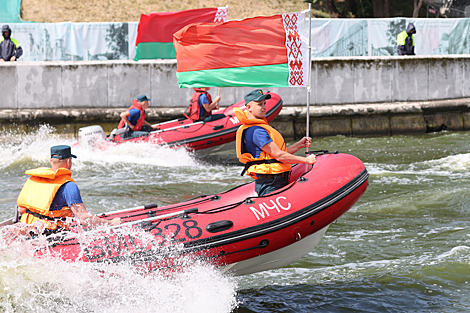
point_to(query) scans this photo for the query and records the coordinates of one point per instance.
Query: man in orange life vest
(262, 148)
(134, 118)
(50, 195)
(201, 104)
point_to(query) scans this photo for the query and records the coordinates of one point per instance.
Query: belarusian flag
(269, 51)
(155, 31)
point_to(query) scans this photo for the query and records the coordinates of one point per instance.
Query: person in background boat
(50, 195)
(201, 105)
(10, 48)
(262, 148)
(134, 119)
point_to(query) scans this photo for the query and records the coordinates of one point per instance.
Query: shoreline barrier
(360, 120)
(355, 96)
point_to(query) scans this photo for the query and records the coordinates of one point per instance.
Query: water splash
(455, 166)
(34, 148)
(32, 284)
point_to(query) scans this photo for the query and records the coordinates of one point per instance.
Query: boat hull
(199, 135)
(278, 258)
(235, 229)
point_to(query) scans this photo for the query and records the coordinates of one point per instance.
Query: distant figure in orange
(201, 104)
(134, 119)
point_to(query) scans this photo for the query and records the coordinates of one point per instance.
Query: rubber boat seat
(117, 132)
(213, 117)
(126, 134)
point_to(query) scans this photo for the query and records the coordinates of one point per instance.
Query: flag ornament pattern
(221, 15)
(155, 31)
(265, 51)
(295, 50)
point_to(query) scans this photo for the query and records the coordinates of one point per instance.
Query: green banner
(155, 50)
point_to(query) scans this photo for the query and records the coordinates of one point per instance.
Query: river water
(404, 247)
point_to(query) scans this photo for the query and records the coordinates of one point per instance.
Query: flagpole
(309, 69)
(218, 94)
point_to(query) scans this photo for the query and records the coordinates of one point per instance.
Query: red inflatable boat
(235, 229)
(184, 132)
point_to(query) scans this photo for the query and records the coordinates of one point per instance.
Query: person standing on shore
(406, 40)
(10, 48)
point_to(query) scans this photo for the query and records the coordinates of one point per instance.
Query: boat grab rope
(247, 200)
(225, 207)
(301, 178)
(206, 198)
(321, 152)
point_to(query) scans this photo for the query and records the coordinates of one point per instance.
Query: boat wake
(32, 149)
(50, 285)
(450, 166)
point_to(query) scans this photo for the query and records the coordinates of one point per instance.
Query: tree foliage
(371, 8)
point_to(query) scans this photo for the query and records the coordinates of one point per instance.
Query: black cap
(256, 95)
(61, 152)
(143, 98)
(6, 28)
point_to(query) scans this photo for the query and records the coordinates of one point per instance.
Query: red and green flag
(270, 51)
(155, 31)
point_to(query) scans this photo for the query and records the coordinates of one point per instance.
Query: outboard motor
(91, 135)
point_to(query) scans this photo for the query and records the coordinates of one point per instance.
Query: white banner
(75, 41)
(378, 37)
(339, 37)
(330, 38)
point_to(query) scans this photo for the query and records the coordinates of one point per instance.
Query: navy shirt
(67, 195)
(135, 115)
(202, 100)
(255, 138)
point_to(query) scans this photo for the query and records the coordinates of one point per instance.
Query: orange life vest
(37, 195)
(194, 109)
(140, 121)
(265, 164)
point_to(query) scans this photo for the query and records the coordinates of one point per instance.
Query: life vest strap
(45, 217)
(248, 164)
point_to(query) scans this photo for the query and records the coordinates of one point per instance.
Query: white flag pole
(309, 69)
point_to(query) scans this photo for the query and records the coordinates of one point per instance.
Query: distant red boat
(234, 230)
(184, 132)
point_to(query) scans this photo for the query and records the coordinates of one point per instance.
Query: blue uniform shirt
(135, 115)
(255, 138)
(202, 100)
(67, 195)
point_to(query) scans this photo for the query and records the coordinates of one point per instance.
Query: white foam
(136, 153)
(49, 285)
(450, 165)
(35, 147)
(456, 252)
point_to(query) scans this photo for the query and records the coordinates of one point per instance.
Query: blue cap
(61, 152)
(143, 98)
(256, 95)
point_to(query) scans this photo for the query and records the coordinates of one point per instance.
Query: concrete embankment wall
(356, 96)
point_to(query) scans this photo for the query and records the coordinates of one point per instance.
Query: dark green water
(404, 247)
